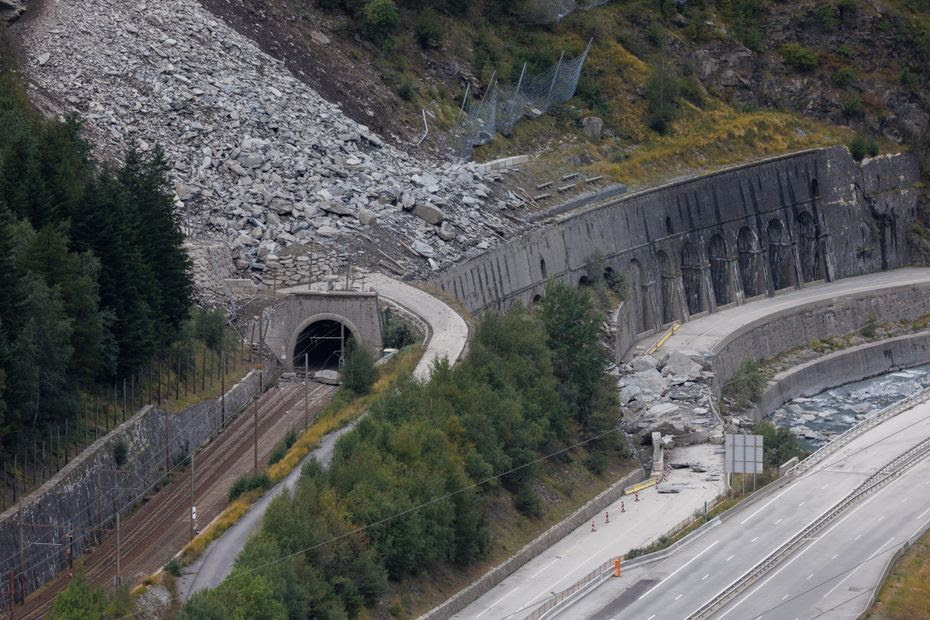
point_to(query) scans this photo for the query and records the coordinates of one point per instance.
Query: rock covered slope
(260, 161)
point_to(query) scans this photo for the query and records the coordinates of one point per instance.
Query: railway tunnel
(315, 327)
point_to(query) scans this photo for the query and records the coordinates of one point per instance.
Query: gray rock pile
(260, 161)
(670, 395)
(10, 10)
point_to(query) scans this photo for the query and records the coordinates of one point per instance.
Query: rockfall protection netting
(503, 105)
(549, 11)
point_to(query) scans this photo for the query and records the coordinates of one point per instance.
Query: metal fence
(502, 106)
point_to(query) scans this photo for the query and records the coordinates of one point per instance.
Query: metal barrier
(869, 423)
(542, 610)
(898, 466)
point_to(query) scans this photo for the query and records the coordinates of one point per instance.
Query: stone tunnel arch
(323, 338)
(779, 255)
(692, 277)
(747, 246)
(719, 277)
(808, 247)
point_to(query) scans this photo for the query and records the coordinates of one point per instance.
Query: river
(817, 419)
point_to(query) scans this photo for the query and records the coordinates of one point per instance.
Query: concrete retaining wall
(91, 488)
(801, 324)
(545, 540)
(694, 245)
(853, 364)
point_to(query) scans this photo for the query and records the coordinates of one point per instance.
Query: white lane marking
(754, 539)
(544, 568)
(677, 570)
(785, 596)
(779, 521)
(498, 602)
(824, 487)
(679, 596)
(802, 503)
(651, 617)
(766, 505)
(919, 529)
(904, 501)
(802, 551)
(858, 537)
(921, 515)
(729, 558)
(705, 576)
(852, 572)
(834, 556)
(809, 576)
(881, 517)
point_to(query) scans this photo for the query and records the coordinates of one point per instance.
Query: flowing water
(817, 419)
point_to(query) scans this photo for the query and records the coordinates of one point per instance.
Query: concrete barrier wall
(853, 364)
(712, 240)
(545, 540)
(800, 325)
(87, 492)
(624, 326)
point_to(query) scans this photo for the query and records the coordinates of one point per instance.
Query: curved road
(823, 576)
(448, 336)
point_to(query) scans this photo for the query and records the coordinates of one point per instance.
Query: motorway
(582, 550)
(811, 581)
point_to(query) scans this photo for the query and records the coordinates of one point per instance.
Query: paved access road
(706, 332)
(681, 583)
(582, 551)
(448, 335)
(448, 330)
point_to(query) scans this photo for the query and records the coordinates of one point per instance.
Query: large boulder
(680, 365)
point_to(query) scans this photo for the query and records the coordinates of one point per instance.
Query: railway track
(158, 528)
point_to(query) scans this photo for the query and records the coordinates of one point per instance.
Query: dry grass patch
(905, 595)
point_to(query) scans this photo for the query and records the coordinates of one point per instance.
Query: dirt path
(151, 535)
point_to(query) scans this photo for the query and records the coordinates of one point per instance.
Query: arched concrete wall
(359, 312)
(653, 228)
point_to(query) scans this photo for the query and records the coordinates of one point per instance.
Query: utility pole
(255, 426)
(223, 390)
(306, 394)
(119, 578)
(22, 554)
(193, 509)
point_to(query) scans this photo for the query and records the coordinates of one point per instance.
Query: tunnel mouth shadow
(323, 343)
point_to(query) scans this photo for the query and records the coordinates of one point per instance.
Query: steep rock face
(260, 161)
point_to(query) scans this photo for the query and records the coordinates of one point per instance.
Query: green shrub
(398, 332)
(909, 79)
(861, 146)
(358, 371)
(248, 482)
(281, 448)
(799, 57)
(662, 92)
(428, 29)
(871, 326)
(844, 76)
(173, 567)
(380, 21)
(209, 326)
(746, 386)
(852, 106)
(404, 88)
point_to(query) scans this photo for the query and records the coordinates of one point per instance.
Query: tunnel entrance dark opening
(323, 343)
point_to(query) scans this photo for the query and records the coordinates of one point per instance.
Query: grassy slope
(905, 595)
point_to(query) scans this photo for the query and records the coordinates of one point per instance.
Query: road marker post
(617, 566)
